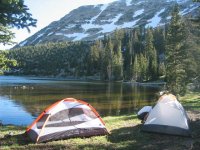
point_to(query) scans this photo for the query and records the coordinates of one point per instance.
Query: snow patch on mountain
(74, 36)
(178, 1)
(50, 33)
(140, 2)
(155, 20)
(112, 26)
(77, 36)
(90, 25)
(128, 2)
(70, 26)
(188, 10)
(169, 17)
(104, 6)
(129, 24)
(106, 27)
(23, 43)
(59, 34)
(38, 36)
(138, 12)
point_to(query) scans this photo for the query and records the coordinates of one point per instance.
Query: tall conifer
(151, 55)
(176, 54)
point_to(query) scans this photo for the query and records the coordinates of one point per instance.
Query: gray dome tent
(167, 116)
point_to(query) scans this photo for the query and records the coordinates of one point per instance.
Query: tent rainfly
(167, 116)
(144, 112)
(65, 119)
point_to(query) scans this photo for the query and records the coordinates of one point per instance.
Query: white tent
(167, 116)
(144, 112)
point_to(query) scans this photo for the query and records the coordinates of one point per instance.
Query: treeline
(130, 55)
(68, 59)
(136, 54)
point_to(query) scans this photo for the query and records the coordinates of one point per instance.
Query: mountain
(94, 21)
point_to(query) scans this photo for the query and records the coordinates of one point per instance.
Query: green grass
(191, 101)
(124, 134)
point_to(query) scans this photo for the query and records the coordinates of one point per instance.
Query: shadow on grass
(133, 138)
(96, 147)
(195, 127)
(22, 141)
(19, 139)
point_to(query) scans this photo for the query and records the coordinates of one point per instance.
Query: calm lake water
(22, 99)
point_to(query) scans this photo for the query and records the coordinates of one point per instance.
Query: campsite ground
(125, 134)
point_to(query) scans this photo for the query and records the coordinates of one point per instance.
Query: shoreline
(89, 79)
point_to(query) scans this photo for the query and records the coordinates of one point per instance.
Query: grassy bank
(191, 101)
(125, 134)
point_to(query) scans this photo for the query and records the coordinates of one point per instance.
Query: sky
(47, 11)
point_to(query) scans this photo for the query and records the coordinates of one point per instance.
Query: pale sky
(47, 11)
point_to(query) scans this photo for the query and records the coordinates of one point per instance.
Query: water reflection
(13, 113)
(32, 96)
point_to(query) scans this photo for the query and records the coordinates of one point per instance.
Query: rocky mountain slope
(92, 22)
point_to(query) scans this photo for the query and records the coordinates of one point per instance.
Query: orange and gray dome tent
(65, 119)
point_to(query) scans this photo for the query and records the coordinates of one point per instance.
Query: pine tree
(13, 13)
(117, 55)
(192, 44)
(107, 65)
(151, 55)
(95, 51)
(118, 63)
(136, 68)
(138, 40)
(161, 69)
(176, 54)
(143, 66)
(154, 65)
(159, 40)
(128, 60)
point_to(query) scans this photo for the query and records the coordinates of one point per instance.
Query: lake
(22, 99)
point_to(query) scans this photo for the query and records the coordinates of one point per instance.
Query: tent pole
(42, 128)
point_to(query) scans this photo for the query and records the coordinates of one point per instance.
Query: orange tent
(65, 119)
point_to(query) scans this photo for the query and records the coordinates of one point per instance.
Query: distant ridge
(94, 21)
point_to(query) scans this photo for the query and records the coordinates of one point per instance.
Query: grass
(125, 134)
(191, 101)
